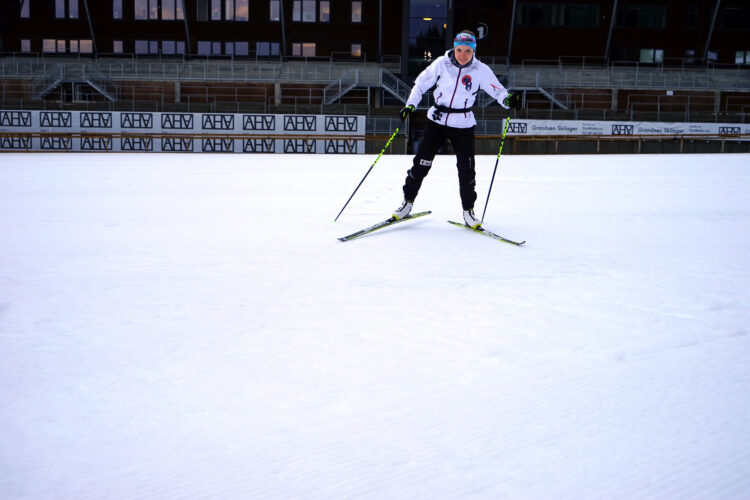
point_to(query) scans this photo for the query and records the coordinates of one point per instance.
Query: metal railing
(50, 79)
(335, 90)
(79, 73)
(559, 75)
(394, 85)
(633, 76)
(554, 78)
(103, 83)
(122, 69)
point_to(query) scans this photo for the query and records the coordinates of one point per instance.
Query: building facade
(416, 31)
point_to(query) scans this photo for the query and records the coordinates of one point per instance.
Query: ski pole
(502, 141)
(368, 170)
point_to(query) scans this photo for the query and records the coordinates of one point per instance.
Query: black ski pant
(435, 136)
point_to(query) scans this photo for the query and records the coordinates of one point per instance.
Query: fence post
(636, 75)
(658, 107)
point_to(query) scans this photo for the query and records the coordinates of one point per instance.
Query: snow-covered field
(188, 326)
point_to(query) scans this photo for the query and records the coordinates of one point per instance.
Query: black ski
(381, 225)
(492, 235)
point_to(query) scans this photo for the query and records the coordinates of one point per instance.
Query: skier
(459, 76)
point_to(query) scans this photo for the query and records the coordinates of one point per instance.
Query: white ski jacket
(457, 88)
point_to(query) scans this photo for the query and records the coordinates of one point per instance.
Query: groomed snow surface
(188, 326)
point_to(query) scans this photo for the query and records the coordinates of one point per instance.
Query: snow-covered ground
(188, 326)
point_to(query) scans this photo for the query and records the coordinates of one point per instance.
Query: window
(641, 16)
(116, 9)
(303, 10)
(356, 12)
(25, 11)
(652, 56)
(117, 47)
(141, 9)
(274, 11)
(236, 10)
(65, 9)
(356, 50)
(427, 21)
(303, 49)
(265, 49)
(325, 12)
(236, 48)
(578, 15)
(242, 10)
(308, 11)
(168, 10)
(742, 57)
(25, 45)
(214, 48)
(62, 46)
(734, 18)
(146, 47)
(220, 10)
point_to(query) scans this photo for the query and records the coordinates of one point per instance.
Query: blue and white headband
(465, 39)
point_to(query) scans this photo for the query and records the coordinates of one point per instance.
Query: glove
(406, 111)
(512, 101)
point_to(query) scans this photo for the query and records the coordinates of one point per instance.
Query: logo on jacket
(466, 80)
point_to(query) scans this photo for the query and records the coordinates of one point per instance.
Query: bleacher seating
(570, 90)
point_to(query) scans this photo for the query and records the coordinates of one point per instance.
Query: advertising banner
(181, 132)
(521, 127)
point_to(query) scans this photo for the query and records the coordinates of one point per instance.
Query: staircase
(336, 90)
(393, 85)
(559, 96)
(102, 84)
(75, 73)
(49, 82)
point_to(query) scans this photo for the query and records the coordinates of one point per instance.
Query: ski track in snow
(188, 326)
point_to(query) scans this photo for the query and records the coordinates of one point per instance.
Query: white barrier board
(181, 132)
(614, 128)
